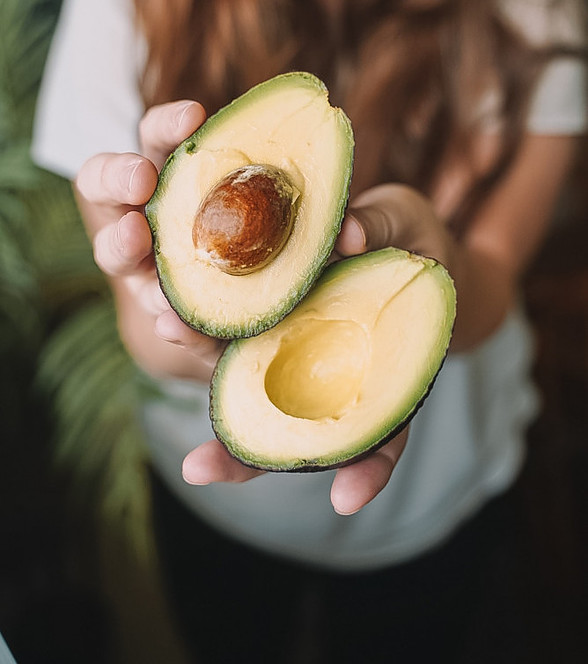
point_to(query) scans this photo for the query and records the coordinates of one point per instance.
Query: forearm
(486, 291)
(505, 235)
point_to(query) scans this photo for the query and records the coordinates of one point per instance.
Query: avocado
(342, 373)
(247, 209)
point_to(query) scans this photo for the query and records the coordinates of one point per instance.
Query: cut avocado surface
(288, 124)
(343, 372)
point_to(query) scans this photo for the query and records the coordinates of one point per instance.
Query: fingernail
(129, 173)
(355, 232)
(195, 483)
(119, 236)
(124, 230)
(343, 503)
(182, 112)
(360, 230)
(191, 480)
(346, 513)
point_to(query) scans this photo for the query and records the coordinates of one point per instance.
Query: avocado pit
(246, 219)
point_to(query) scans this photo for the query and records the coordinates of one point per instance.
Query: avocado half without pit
(341, 374)
(247, 209)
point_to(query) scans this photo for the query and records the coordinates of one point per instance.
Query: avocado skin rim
(291, 298)
(311, 465)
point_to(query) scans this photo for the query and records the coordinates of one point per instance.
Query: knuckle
(102, 256)
(162, 126)
(108, 178)
(85, 180)
(147, 121)
(108, 252)
(154, 120)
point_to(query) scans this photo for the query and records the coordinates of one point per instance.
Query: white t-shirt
(466, 444)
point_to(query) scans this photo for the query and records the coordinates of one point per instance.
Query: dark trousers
(458, 603)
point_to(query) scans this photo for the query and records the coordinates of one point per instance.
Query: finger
(211, 462)
(364, 229)
(388, 215)
(351, 240)
(170, 327)
(117, 180)
(124, 246)
(146, 290)
(165, 126)
(356, 485)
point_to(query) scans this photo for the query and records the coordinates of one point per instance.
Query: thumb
(387, 215)
(364, 229)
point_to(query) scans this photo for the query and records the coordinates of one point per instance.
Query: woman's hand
(394, 215)
(354, 486)
(112, 190)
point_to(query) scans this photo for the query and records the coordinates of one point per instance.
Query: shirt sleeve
(559, 104)
(89, 100)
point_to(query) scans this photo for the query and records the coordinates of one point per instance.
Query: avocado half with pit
(341, 374)
(248, 208)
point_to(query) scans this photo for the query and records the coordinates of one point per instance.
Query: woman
(474, 109)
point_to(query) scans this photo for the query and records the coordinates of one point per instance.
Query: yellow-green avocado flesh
(342, 373)
(286, 122)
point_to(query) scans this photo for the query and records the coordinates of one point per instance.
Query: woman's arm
(486, 265)
(506, 234)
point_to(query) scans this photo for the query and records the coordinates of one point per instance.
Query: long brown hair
(407, 72)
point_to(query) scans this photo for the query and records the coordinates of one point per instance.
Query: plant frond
(26, 27)
(92, 382)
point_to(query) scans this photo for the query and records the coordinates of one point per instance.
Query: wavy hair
(407, 72)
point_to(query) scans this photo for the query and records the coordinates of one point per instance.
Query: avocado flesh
(342, 373)
(286, 122)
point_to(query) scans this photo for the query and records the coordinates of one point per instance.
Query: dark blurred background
(77, 581)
